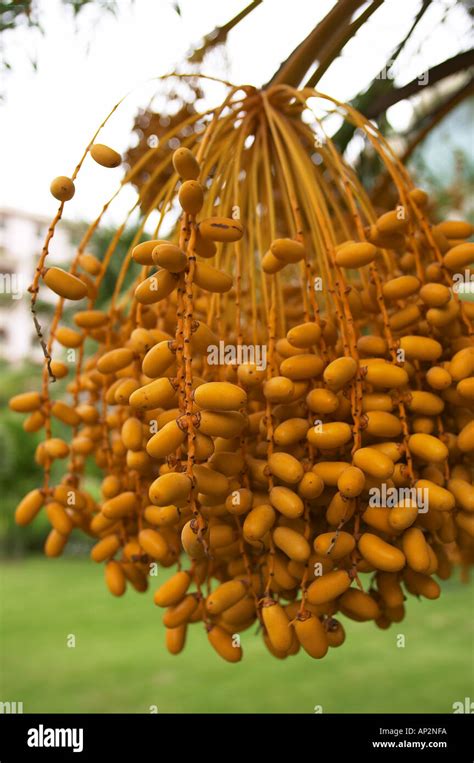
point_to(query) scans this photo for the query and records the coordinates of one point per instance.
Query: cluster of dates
(335, 477)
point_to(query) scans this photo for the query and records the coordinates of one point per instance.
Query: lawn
(119, 663)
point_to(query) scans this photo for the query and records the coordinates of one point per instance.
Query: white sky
(84, 67)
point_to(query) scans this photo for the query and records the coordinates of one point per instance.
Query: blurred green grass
(120, 664)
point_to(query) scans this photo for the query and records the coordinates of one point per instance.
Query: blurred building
(21, 239)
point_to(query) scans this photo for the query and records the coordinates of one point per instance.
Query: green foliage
(99, 245)
(19, 472)
(13, 14)
(18, 475)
